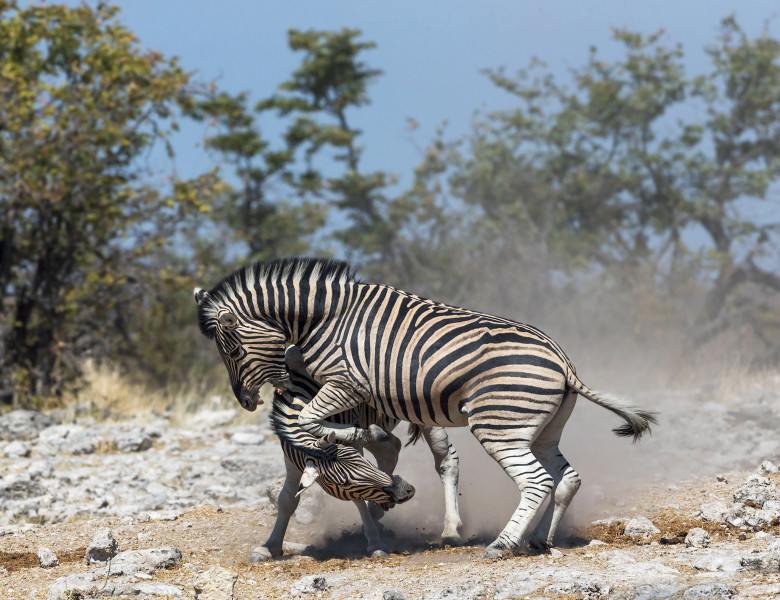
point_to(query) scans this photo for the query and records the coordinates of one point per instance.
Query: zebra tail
(415, 433)
(637, 420)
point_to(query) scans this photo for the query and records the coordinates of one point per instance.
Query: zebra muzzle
(400, 491)
(249, 398)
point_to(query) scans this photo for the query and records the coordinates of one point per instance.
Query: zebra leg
(386, 454)
(287, 503)
(509, 443)
(445, 459)
(376, 546)
(330, 400)
(566, 481)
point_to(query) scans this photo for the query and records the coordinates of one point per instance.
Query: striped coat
(413, 359)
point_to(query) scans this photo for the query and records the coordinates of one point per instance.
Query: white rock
(215, 584)
(697, 538)
(245, 438)
(17, 449)
(102, 547)
(134, 441)
(756, 490)
(715, 511)
(23, 424)
(150, 560)
(47, 558)
(768, 467)
(640, 527)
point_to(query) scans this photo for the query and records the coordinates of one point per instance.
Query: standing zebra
(415, 360)
(340, 470)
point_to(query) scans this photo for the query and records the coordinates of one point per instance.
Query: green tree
(633, 168)
(79, 218)
(268, 210)
(324, 91)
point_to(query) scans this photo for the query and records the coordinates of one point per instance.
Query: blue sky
(431, 52)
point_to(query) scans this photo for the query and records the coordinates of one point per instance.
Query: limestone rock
(640, 527)
(47, 558)
(756, 491)
(215, 584)
(23, 425)
(697, 538)
(102, 547)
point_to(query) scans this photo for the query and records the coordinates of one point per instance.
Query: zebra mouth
(249, 398)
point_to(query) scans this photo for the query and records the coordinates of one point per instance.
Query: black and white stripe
(415, 360)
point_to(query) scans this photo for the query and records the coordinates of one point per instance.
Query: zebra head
(249, 347)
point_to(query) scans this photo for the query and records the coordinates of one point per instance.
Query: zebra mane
(276, 270)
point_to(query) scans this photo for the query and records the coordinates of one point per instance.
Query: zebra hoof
(262, 554)
(497, 552)
(539, 545)
(377, 434)
(379, 553)
(451, 540)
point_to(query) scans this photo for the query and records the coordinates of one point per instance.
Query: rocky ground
(692, 512)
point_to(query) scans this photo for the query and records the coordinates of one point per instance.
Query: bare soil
(209, 535)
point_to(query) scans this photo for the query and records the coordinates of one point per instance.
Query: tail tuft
(637, 420)
(415, 433)
(636, 425)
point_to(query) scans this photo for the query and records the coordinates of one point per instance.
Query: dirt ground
(209, 535)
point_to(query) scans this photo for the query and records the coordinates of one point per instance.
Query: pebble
(102, 547)
(217, 583)
(47, 558)
(640, 527)
(697, 538)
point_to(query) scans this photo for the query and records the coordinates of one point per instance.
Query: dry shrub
(108, 393)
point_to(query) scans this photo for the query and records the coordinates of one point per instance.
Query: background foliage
(613, 207)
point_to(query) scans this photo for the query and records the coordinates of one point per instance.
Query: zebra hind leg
(566, 481)
(508, 445)
(287, 503)
(446, 461)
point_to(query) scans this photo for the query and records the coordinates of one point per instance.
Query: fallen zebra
(340, 469)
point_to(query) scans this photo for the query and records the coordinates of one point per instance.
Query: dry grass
(107, 394)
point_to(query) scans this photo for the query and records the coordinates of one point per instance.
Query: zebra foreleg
(376, 546)
(287, 503)
(566, 481)
(330, 400)
(446, 460)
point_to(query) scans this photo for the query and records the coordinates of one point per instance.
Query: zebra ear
(200, 295)
(310, 474)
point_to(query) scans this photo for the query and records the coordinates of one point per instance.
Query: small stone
(392, 595)
(714, 511)
(23, 425)
(640, 527)
(215, 584)
(134, 441)
(555, 553)
(47, 558)
(710, 590)
(597, 543)
(17, 449)
(756, 491)
(102, 547)
(697, 538)
(768, 467)
(244, 438)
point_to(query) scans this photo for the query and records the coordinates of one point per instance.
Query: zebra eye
(228, 320)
